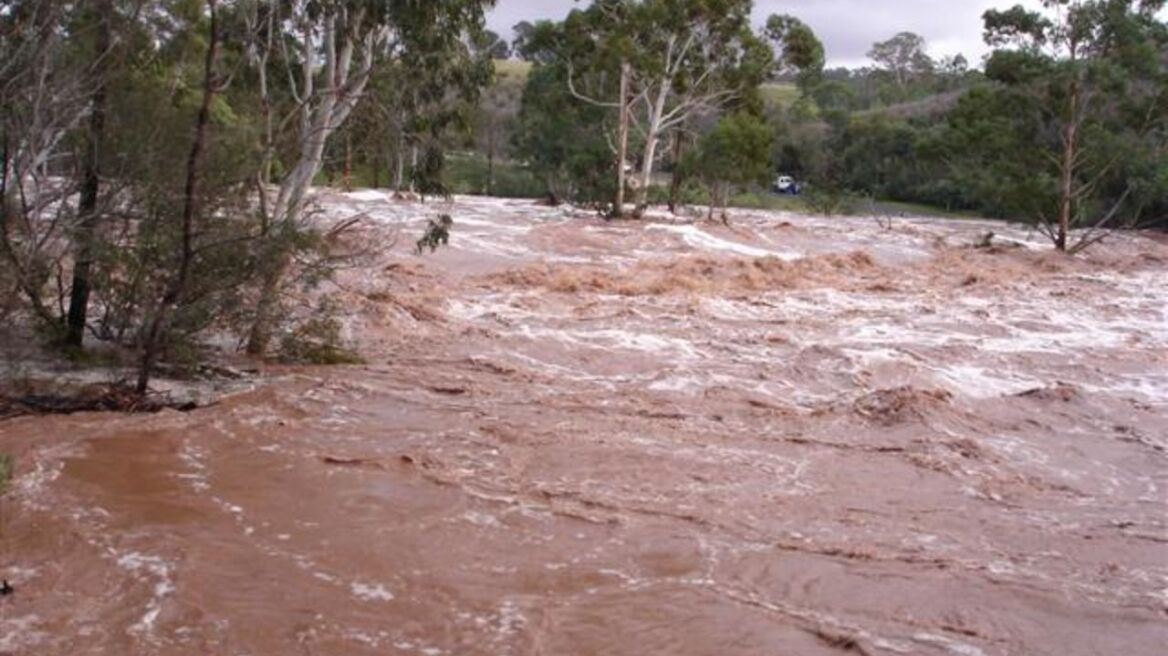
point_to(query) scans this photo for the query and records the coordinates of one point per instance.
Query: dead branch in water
(117, 397)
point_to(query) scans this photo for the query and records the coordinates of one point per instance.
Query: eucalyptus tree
(100, 16)
(42, 100)
(176, 288)
(903, 57)
(596, 46)
(735, 153)
(798, 51)
(569, 145)
(329, 49)
(1094, 71)
(55, 62)
(494, 121)
(673, 58)
(493, 45)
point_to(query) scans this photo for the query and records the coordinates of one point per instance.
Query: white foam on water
(195, 458)
(1152, 387)
(948, 644)
(980, 383)
(616, 339)
(146, 565)
(19, 632)
(702, 240)
(678, 383)
(370, 591)
(481, 519)
(367, 196)
(495, 226)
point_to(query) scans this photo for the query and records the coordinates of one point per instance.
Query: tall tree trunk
(262, 329)
(289, 207)
(414, 169)
(675, 182)
(1067, 169)
(317, 124)
(42, 313)
(618, 203)
(348, 176)
(336, 34)
(175, 291)
(399, 163)
(491, 162)
(87, 211)
(646, 177)
(652, 140)
(268, 141)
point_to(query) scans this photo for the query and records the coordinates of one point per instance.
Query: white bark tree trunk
(618, 204)
(323, 111)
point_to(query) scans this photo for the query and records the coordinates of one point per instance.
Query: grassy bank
(468, 173)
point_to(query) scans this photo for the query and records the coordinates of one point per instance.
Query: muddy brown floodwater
(789, 436)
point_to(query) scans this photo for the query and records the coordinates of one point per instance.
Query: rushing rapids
(786, 436)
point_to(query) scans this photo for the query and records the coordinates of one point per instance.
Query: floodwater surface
(791, 435)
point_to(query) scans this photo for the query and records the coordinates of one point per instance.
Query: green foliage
(468, 174)
(828, 201)
(317, 340)
(6, 469)
(1083, 104)
(569, 119)
(429, 177)
(734, 154)
(779, 94)
(437, 234)
(878, 156)
(903, 58)
(489, 44)
(561, 139)
(423, 100)
(798, 51)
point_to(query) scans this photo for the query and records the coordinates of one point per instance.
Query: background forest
(158, 155)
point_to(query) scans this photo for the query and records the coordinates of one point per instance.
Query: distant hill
(779, 94)
(932, 106)
(515, 72)
(512, 70)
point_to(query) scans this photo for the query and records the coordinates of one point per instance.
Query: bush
(5, 470)
(828, 201)
(318, 340)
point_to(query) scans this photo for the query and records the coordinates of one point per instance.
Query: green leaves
(797, 49)
(561, 139)
(437, 234)
(1092, 75)
(736, 151)
(1014, 67)
(1016, 26)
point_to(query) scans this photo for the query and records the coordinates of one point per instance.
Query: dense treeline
(157, 155)
(1065, 126)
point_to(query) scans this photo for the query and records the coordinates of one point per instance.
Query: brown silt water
(792, 435)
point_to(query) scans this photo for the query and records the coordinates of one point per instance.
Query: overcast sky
(848, 28)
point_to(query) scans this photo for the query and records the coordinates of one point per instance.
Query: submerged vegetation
(6, 468)
(158, 155)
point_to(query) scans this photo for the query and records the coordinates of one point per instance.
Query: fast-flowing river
(791, 435)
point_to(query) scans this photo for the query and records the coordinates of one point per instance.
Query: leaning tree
(1093, 69)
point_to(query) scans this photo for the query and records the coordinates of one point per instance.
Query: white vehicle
(785, 184)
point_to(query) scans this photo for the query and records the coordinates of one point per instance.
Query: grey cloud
(848, 28)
